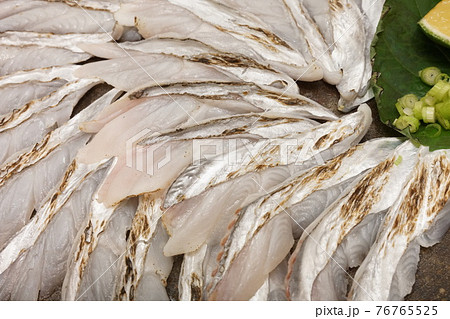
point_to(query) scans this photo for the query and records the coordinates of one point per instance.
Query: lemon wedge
(436, 23)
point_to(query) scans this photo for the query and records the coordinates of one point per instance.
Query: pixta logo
(147, 158)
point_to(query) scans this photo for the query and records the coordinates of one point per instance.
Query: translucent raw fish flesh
(28, 125)
(160, 171)
(240, 66)
(164, 19)
(418, 216)
(101, 273)
(15, 58)
(57, 18)
(33, 264)
(23, 87)
(371, 194)
(135, 71)
(347, 131)
(245, 233)
(31, 175)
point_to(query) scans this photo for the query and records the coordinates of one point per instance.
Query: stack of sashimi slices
(204, 149)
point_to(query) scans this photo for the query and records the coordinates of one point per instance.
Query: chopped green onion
(443, 109)
(405, 121)
(399, 160)
(428, 75)
(439, 90)
(408, 111)
(428, 100)
(399, 108)
(442, 77)
(417, 110)
(433, 130)
(444, 123)
(408, 100)
(428, 115)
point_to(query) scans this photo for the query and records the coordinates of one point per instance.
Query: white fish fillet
(316, 43)
(143, 261)
(57, 18)
(373, 193)
(419, 209)
(101, 272)
(41, 248)
(219, 29)
(231, 94)
(129, 73)
(347, 131)
(28, 125)
(17, 58)
(254, 218)
(156, 167)
(243, 67)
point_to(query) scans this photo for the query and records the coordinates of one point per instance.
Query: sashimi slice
(243, 67)
(372, 193)
(163, 19)
(16, 58)
(334, 137)
(234, 94)
(420, 208)
(254, 218)
(57, 18)
(33, 263)
(143, 259)
(135, 71)
(101, 273)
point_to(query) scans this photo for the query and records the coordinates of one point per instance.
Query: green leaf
(402, 50)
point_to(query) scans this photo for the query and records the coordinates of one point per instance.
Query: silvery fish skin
(84, 243)
(254, 32)
(245, 236)
(337, 136)
(170, 155)
(100, 275)
(23, 87)
(332, 283)
(31, 174)
(28, 125)
(143, 262)
(69, 42)
(348, 32)
(418, 217)
(319, 48)
(190, 283)
(262, 98)
(156, 19)
(372, 193)
(242, 67)
(248, 125)
(41, 248)
(249, 97)
(17, 58)
(57, 18)
(136, 71)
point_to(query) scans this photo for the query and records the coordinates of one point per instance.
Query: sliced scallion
(428, 75)
(428, 114)
(417, 110)
(433, 130)
(405, 121)
(442, 77)
(439, 90)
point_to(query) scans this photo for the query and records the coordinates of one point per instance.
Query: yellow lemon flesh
(436, 23)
